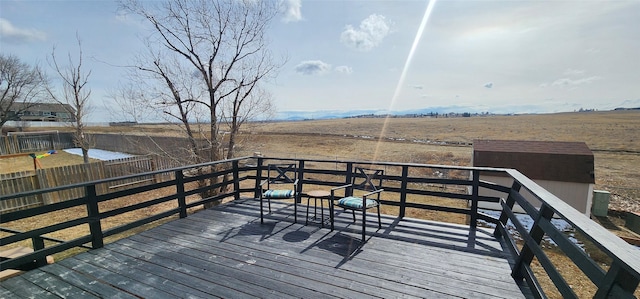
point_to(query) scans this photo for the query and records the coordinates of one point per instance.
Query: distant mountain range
(515, 109)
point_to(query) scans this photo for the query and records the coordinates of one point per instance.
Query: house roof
(50, 107)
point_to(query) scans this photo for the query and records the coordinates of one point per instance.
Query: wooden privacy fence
(16, 144)
(73, 174)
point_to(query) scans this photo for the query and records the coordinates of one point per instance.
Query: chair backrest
(366, 179)
(281, 174)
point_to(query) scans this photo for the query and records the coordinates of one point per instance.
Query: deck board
(225, 252)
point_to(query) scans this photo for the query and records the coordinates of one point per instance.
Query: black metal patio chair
(281, 183)
(369, 182)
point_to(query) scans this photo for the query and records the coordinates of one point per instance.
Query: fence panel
(162, 162)
(129, 166)
(19, 182)
(72, 174)
(34, 142)
(9, 145)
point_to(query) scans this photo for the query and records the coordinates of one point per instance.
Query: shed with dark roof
(566, 169)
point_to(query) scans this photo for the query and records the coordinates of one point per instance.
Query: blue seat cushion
(275, 194)
(352, 202)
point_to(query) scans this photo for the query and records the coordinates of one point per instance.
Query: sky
(476, 56)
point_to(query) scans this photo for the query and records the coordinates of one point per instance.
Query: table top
(318, 193)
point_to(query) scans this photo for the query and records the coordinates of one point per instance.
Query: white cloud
(291, 10)
(10, 33)
(417, 86)
(568, 82)
(313, 67)
(344, 69)
(488, 85)
(572, 72)
(369, 35)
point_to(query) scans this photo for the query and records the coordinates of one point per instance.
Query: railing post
(515, 187)
(474, 199)
(236, 180)
(616, 276)
(403, 190)
(300, 180)
(536, 233)
(97, 238)
(258, 178)
(38, 243)
(182, 201)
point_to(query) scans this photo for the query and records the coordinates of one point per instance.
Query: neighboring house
(42, 112)
(565, 169)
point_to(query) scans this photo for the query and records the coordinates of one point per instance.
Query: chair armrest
(371, 193)
(341, 187)
(333, 190)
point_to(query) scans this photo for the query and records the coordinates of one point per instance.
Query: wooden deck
(225, 252)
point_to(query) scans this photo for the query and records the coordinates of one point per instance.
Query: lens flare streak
(396, 94)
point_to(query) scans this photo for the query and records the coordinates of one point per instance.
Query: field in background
(613, 136)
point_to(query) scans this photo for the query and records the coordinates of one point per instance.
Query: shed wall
(577, 195)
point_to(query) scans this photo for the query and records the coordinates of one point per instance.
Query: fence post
(536, 233)
(515, 187)
(94, 217)
(236, 180)
(474, 199)
(403, 190)
(258, 178)
(182, 201)
(154, 167)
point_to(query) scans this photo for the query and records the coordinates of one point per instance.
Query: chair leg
(364, 224)
(269, 201)
(331, 213)
(307, 220)
(353, 213)
(295, 210)
(261, 212)
(379, 222)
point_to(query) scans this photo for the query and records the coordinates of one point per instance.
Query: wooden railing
(404, 184)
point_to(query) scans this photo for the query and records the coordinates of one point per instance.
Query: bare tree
(21, 87)
(159, 83)
(75, 94)
(224, 44)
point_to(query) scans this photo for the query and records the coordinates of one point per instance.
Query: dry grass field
(613, 136)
